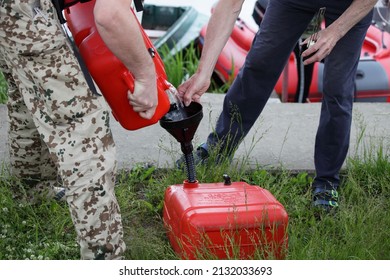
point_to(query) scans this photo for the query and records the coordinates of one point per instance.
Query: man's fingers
(148, 114)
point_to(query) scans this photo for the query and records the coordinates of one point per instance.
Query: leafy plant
(179, 64)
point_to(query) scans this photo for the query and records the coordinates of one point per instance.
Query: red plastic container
(80, 20)
(109, 73)
(221, 221)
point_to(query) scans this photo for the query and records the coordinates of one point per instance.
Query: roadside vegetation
(359, 230)
(182, 64)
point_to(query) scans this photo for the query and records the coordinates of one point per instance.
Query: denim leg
(333, 135)
(280, 30)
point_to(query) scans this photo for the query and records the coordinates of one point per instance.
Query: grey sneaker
(200, 157)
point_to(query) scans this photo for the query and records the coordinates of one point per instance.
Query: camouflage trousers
(57, 126)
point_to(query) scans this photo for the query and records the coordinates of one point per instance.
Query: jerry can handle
(129, 80)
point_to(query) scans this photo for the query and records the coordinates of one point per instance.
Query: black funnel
(182, 123)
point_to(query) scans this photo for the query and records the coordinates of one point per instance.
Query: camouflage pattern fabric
(59, 131)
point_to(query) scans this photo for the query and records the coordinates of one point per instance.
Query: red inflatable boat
(372, 78)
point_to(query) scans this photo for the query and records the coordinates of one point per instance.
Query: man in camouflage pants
(58, 127)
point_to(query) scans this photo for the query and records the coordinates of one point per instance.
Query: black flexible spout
(182, 123)
(190, 166)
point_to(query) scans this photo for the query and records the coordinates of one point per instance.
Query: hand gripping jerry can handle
(162, 83)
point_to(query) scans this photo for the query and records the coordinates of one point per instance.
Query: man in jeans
(59, 134)
(339, 45)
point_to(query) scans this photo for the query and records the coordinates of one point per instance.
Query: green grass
(3, 89)
(359, 230)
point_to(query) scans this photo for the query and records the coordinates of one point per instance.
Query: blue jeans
(282, 26)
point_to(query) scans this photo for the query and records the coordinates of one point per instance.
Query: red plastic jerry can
(109, 73)
(80, 20)
(225, 221)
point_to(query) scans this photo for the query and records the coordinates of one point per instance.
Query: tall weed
(181, 64)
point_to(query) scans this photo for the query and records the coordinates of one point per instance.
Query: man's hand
(328, 37)
(326, 40)
(144, 99)
(193, 88)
